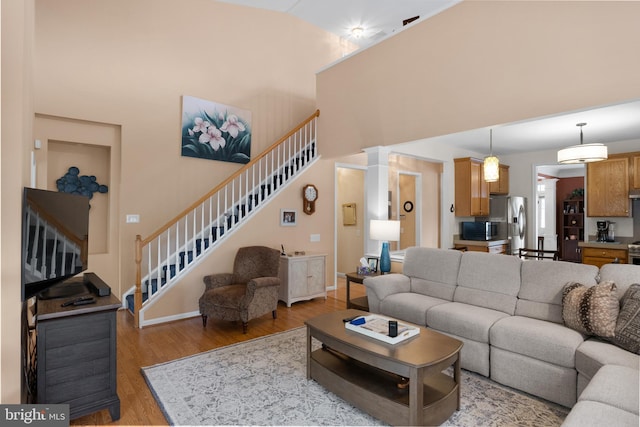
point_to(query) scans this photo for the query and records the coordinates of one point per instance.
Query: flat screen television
(55, 242)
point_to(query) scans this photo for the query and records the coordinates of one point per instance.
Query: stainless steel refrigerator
(510, 212)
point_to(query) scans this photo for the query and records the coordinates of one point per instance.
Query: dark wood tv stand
(76, 355)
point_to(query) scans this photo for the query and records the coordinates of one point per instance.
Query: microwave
(478, 230)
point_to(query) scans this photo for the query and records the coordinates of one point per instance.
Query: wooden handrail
(220, 186)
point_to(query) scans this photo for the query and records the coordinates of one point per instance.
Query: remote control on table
(78, 301)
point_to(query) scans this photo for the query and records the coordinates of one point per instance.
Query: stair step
(131, 304)
(201, 244)
(189, 256)
(172, 272)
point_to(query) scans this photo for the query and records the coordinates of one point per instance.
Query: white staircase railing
(166, 255)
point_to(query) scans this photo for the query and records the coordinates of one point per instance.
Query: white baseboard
(166, 319)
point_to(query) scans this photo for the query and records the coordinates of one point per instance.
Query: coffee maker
(603, 231)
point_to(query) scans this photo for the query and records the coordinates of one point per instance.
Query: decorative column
(377, 191)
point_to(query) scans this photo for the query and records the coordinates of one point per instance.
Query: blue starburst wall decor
(74, 183)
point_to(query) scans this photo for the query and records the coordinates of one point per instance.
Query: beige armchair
(249, 292)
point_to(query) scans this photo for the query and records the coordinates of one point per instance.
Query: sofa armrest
(388, 284)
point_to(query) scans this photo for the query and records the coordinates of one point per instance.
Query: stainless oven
(634, 253)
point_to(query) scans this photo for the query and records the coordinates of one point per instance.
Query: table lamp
(384, 230)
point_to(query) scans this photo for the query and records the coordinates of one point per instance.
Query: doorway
(553, 185)
(409, 209)
(350, 217)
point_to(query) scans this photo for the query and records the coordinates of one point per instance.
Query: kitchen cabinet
(501, 186)
(572, 229)
(601, 256)
(471, 190)
(608, 187)
(302, 277)
(636, 172)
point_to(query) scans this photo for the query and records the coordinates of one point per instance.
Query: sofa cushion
(463, 320)
(489, 280)
(627, 333)
(433, 272)
(540, 293)
(595, 414)
(409, 306)
(595, 353)
(623, 275)
(616, 386)
(539, 339)
(591, 310)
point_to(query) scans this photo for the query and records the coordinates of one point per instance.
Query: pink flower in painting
(213, 137)
(232, 125)
(200, 125)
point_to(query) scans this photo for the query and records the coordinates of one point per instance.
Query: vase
(385, 259)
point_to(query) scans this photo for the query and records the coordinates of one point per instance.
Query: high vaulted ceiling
(377, 18)
(383, 18)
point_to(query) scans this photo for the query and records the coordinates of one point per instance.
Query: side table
(360, 303)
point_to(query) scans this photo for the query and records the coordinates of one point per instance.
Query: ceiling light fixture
(583, 153)
(491, 163)
(357, 32)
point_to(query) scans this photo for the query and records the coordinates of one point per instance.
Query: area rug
(263, 382)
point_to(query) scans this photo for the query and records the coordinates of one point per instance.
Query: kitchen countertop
(480, 242)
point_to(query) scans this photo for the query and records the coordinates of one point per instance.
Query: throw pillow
(628, 324)
(592, 310)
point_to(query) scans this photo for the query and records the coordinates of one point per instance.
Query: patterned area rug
(263, 382)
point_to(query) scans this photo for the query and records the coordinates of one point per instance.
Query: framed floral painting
(215, 131)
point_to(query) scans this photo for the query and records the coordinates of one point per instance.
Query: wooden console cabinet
(302, 277)
(76, 355)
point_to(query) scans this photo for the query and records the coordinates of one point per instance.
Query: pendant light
(583, 153)
(491, 163)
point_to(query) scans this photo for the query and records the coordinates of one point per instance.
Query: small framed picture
(288, 217)
(373, 264)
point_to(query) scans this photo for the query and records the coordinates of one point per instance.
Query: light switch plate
(315, 238)
(133, 218)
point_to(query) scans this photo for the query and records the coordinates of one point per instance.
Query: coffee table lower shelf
(377, 393)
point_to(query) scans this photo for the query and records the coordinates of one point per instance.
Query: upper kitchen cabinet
(636, 171)
(501, 186)
(608, 187)
(471, 190)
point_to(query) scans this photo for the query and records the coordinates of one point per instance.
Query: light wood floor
(138, 348)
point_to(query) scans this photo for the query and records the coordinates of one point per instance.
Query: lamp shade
(583, 153)
(491, 169)
(385, 230)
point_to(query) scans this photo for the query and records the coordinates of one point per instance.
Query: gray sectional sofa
(508, 313)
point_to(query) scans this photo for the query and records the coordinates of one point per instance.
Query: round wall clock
(309, 197)
(408, 206)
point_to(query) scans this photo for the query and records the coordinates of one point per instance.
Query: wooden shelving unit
(572, 229)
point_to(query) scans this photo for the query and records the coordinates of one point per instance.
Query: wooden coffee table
(366, 372)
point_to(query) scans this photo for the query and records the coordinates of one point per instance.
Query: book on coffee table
(377, 327)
